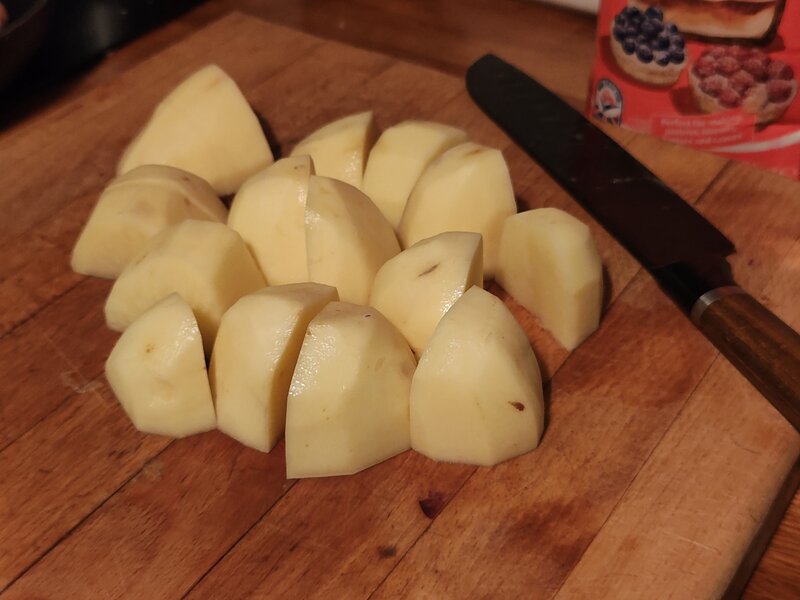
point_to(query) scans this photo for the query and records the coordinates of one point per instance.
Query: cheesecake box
(720, 75)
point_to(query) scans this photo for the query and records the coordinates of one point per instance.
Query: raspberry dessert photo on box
(732, 77)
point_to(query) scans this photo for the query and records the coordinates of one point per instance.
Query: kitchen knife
(684, 252)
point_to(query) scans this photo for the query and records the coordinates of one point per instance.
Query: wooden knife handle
(759, 344)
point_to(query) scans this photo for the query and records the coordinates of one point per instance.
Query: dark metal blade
(636, 207)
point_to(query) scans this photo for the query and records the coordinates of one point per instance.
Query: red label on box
(705, 132)
(717, 75)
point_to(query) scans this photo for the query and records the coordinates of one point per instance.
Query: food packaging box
(719, 75)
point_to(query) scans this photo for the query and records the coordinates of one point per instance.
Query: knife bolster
(689, 282)
(764, 348)
(759, 344)
(707, 299)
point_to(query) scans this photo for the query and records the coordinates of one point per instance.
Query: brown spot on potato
(149, 348)
(518, 405)
(429, 270)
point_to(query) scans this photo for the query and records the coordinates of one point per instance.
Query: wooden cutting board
(659, 468)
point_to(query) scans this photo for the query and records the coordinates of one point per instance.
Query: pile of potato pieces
(375, 249)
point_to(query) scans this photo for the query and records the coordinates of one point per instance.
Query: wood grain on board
(647, 430)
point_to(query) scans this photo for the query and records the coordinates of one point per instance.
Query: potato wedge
(348, 401)
(467, 188)
(207, 263)
(347, 238)
(254, 357)
(158, 372)
(549, 263)
(204, 126)
(476, 397)
(399, 157)
(134, 208)
(340, 149)
(269, 213)
(418, 286)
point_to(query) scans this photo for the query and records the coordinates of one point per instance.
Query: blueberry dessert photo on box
(646, 47)
(733, 77)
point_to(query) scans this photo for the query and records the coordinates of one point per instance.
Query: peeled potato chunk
(549, 263)
(133, 209)
(347, 238)
(204, 126)
(467, 188)
(398, 158)
(207, 263)
(418, 286)
(339, 149)
(158, 372)
(348, 401)
(254, 356)
(476, 397)
(269, 213)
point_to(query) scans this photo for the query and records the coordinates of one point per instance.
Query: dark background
(47, 41)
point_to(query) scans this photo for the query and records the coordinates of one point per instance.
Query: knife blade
(684, 252)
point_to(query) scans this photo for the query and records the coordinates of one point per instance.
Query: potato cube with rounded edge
(134, 208)
(158, 372)
(204, 126)
(269, 213)
(418, 286)
(549, 263)
(347, 238)
(196, 189)
(476, 397)
(340, 148)
(254, 356)
(207, 263)
(399, 157)
(348, 401)
(467, 188)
